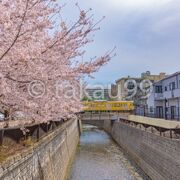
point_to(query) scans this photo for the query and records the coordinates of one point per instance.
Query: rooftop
(170, 76)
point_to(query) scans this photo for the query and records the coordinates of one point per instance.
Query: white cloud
(146, 33)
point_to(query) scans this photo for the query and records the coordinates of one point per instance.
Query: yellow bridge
(123, 106)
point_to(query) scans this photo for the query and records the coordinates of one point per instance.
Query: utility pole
(165, 108)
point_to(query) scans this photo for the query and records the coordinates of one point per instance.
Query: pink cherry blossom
(34, 49)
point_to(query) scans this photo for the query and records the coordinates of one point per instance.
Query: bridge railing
(98, 116)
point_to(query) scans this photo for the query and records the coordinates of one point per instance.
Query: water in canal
(100, 158)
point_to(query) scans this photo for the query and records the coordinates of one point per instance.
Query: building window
(158, 89)
(172, 86)
(151, 109)
(165, 88)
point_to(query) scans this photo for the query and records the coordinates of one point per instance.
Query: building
(135, 88)
(97, 94)
(164, 101)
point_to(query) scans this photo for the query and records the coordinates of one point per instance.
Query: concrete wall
(158, 157)
(48, 159)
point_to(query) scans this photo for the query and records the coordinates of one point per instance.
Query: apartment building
(164, 101)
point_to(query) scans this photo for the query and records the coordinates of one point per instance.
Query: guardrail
(169, 113)
(10, 129)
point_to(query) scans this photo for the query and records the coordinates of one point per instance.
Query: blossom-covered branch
(37, 59)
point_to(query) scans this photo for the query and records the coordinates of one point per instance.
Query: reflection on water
(99, 158)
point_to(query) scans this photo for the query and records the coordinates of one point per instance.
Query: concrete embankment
(46, 160)
(158, 156)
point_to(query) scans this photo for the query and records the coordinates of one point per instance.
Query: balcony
(176, 93)
(159, 96)
(172, 94)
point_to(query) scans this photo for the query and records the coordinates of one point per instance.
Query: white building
(164, 102)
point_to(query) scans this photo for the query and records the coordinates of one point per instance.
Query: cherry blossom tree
(40, 56)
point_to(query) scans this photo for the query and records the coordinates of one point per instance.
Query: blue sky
(145, 32)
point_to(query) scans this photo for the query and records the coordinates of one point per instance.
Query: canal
(100, 158)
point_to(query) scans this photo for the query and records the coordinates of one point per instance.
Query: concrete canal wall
(158, 157)
(46, 160)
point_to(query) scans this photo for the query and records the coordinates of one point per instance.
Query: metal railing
(169, 113)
